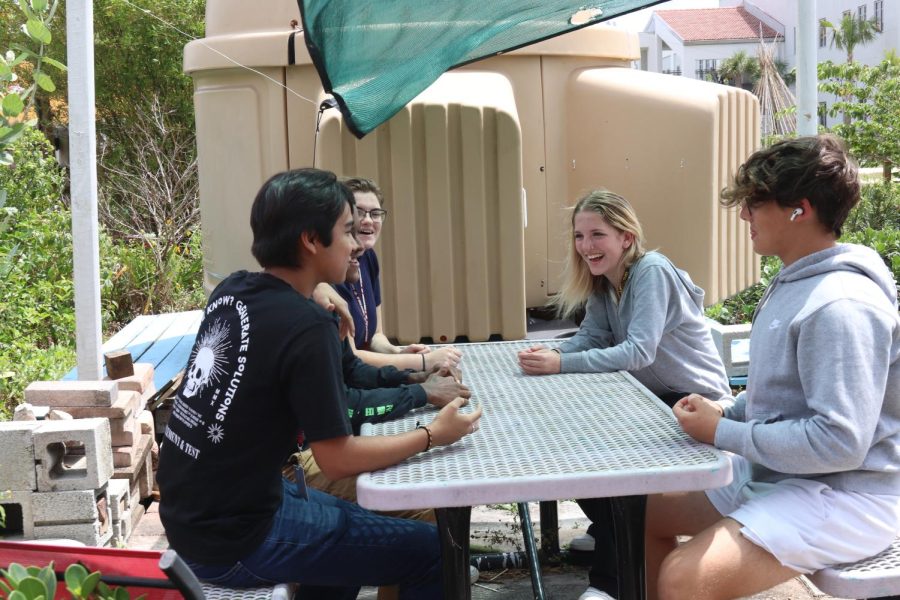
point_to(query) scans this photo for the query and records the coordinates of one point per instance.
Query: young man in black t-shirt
(266, 366)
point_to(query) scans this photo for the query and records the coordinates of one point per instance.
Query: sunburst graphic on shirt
(208, 359)
(215, 433)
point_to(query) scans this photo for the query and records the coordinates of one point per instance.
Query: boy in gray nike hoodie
(817, 433)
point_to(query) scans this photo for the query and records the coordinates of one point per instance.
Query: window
(879, 15)
(708, 69)
(823, 35)
(823, 114)
(861, 12)
(846, 13)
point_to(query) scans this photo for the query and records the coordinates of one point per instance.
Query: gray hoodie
(656, 332)
(823, 393)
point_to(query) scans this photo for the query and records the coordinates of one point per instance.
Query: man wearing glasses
(364, 296)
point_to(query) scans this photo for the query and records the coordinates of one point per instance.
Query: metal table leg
(549, 530)
(628, 523)
(453, 528)
(534, 565)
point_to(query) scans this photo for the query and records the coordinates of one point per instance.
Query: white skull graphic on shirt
(206, 364)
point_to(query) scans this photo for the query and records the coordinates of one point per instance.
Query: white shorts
(806, 524)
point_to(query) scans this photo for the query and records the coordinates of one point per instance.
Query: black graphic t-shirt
(266, 365)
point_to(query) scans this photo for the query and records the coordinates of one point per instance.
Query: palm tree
(741, 69)
(851, 32)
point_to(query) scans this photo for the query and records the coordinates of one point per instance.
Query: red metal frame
(138, 570)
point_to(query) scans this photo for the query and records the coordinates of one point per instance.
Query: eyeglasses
(376, 214)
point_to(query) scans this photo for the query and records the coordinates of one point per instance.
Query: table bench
(192, 589)
(164, 341)
(875, 577)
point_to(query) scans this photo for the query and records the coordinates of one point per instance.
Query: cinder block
(135, 494)
(732, 343)
(141, 381)
(122, 431)
(126, 404)
(119, 494)
(72, 393)
(19, 515)
(59, 472)
(86, 533)
(122, 529)
(17, 455)
(79, 506)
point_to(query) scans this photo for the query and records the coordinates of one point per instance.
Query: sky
(636, 21)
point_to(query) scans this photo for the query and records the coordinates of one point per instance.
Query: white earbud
(797, 212)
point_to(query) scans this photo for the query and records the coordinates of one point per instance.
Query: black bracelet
(423, 362)
(428, 432)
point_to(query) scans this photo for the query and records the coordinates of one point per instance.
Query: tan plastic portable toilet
(477, 170)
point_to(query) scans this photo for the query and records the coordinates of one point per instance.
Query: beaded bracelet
(428, 433)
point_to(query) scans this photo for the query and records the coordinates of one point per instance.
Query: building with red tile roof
(716, 25)
(694, 42)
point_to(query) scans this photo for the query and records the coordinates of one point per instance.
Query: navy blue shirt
(363, 298)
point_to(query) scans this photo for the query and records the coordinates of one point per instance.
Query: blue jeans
(332, 548)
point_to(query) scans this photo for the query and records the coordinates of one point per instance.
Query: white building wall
(672, 58)
(782, 16)
(870, 54)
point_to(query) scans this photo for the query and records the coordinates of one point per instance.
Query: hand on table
(450, 425)
(448, 356)
(699, 417)
(444, 371)
(415, 349)
(440, 390)
(540, 360)
(327, 297)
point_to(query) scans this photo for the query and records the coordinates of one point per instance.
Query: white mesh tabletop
(552, 437)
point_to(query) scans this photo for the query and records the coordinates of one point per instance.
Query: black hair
(289, 204)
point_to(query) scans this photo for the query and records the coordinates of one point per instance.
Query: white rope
(222, 54)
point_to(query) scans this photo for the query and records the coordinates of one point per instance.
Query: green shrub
(34, 181)
(37, 328)
(739, 308)
(23, 363)
(37, 324)
(137, 285)
(878, 208)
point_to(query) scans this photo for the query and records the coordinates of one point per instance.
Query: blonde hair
(578, 283)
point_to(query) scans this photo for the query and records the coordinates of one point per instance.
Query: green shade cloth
(374, 56)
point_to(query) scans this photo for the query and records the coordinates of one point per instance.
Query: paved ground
(496, 528)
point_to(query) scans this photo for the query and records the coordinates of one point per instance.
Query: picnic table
(554, 437)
